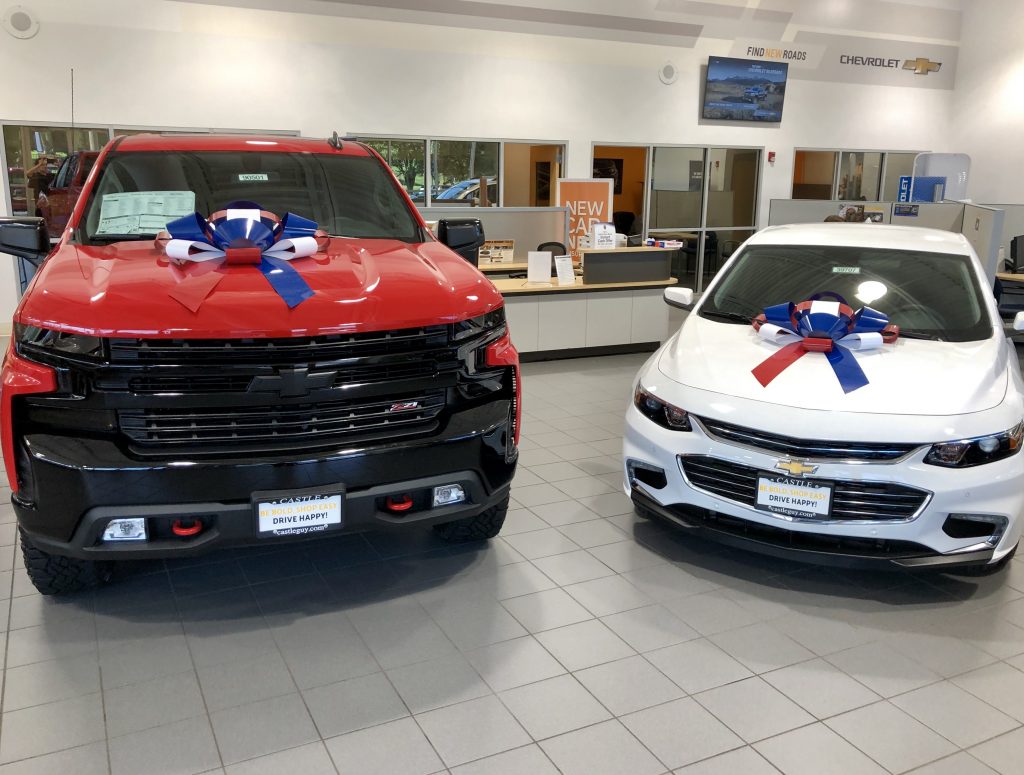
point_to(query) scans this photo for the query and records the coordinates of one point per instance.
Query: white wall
(155, 62)
(988, 102)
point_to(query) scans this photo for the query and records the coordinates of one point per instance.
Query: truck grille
(301, 349)
(850, 500)
(805, 448)
(305, 425)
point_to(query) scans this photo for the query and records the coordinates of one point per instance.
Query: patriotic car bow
(242, 233)
(829, 327)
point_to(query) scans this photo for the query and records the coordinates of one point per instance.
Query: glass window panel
(677, 189)
(627, 166)
(896, 164)
(859, 175)
(464, 172)
(530, 174)
(408, 160)
(813, 174)
(732, 186)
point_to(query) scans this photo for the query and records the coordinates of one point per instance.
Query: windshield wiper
(909, 333)
(121, 237)
(732, 317)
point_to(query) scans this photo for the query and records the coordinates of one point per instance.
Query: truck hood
(123, 289)
(909, 377)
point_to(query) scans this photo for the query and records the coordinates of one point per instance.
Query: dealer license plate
(296, 515)
(794, 497)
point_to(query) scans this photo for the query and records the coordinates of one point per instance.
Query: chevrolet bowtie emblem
(795, 467)
(922, 66)
(289, 383)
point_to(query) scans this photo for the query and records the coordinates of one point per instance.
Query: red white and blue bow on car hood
(245, 233)
(829, 327)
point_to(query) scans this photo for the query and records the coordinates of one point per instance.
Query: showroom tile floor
(583, 640)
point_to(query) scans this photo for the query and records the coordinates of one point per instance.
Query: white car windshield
(928, 295)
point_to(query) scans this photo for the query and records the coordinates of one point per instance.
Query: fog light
(133, 529)
(447, 494)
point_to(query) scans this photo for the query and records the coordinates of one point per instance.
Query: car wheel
(986, 570)
(485, 525)
(53, 574)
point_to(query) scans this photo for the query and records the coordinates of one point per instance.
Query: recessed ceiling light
(20, 22)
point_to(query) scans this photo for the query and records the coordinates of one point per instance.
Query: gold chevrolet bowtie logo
(795, 467)
(922, 66)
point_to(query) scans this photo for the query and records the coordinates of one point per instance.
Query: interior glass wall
(814, 174)
(465, 172)
(531, 170)
(34, 155)
(859, 175)
(408, 160)
(896, 165)
(627, 166)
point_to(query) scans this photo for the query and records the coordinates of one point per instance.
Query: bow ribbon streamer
(242, 233)
(829, 327)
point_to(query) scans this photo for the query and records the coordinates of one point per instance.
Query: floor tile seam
(195, 669)
(70, 747)
(876, 761)
(979, 697)
(697, 698)
(523, 624)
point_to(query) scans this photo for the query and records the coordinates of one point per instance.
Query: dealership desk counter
(553, 321)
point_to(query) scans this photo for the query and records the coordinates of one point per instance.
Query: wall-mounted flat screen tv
(744, 90)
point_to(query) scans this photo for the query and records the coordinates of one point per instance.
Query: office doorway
(627, 166)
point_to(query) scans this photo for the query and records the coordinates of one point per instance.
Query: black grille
(304, 425)
(806, 448)
(850, 500)
(306, 349)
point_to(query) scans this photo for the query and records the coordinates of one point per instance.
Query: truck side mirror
(463, 235)
(24, 237)
(1018, 321)
(682, 298)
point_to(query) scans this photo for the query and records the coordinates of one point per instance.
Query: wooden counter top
(1014, 278)
(510, 287)
(512, 266)
(636, 249)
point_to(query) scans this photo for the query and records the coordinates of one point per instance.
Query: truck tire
(53, 574)
(485, 525)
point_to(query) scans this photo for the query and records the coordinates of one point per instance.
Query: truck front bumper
(81, 484)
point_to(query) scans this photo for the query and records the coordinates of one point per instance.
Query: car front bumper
(81, 484)
(995, 490)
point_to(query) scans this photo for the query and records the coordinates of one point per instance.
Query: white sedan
(841, 393)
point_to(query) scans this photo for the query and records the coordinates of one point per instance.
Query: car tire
(987, 570)
(53, 574)
(484, 526)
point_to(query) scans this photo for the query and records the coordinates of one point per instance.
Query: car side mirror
(1018, 321)
(681, 298)
(463, 235)
(24, 237)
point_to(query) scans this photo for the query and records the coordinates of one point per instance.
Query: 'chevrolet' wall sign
(920, 66)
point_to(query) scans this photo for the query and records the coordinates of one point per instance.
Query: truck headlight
(976, 451)
(49, 341)
(661, 412)
(481, 324)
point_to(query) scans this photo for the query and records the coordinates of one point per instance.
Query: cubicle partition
(982, 225)
(1013, 226)
(528, 226)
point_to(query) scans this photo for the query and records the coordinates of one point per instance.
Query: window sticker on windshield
(143, 212)
(249, 177)
(846, 270)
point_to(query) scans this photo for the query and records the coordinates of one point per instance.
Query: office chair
(555, 249)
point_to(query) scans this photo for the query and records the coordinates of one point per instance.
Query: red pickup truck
(299, 356)
(57, 199)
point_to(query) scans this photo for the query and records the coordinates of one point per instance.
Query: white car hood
(909, 377)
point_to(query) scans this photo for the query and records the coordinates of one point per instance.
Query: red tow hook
(402, 503)
(185, 528)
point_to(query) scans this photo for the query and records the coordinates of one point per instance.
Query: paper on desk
(143, 212)
(538, 267)
(563, 266)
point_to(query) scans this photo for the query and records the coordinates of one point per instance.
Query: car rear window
(928, 295)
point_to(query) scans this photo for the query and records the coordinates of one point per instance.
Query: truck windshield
(928, 295)
(137, 193)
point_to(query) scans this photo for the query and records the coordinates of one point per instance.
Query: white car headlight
(976, 451)
(661, 412)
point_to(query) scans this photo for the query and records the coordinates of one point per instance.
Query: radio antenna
(72, 108)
